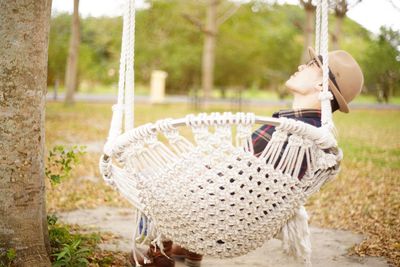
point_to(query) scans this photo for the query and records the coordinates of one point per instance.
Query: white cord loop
(325, 96)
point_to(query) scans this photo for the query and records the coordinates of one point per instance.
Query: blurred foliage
(7, 257)
(258, 47)
(168, 42)
(69, 247)
(58, 46)
(60, 162)
(74, 246)
(383, 61)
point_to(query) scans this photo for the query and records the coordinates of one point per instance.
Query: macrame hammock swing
(212, 196)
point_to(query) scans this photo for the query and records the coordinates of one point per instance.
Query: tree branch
(195, 21)
(394, 6)
(308, 5)
(343, 6)
(227, 14)
(354, 4)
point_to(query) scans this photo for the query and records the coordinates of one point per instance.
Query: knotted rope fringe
(295, 236)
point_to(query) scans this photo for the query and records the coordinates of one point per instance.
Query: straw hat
(346, 79)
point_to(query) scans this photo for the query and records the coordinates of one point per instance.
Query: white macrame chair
(213, 196)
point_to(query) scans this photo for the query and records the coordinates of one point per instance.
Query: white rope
(321, 47)
(130, 79)
(118, 108)
(318, 28)
(125, 99)
(295, 236)
(325, 96)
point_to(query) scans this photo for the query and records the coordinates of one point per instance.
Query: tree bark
(341, 9)
(24, 28)
(209, 50)
(71, 74)
(338, 33)
(308, 28)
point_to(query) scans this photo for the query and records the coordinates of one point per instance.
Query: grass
(251, 93)
(364, 198)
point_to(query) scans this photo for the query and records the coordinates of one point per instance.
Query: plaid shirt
(263, 134)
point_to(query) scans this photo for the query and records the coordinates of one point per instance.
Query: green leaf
(11, 254)
(83, 260)
(58, 264)
(61, 254)
(76, 243)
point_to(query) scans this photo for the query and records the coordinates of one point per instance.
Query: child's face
(306, 80)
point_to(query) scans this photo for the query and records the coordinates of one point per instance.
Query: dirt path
(329, 246)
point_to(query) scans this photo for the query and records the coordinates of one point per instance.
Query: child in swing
(345, 83)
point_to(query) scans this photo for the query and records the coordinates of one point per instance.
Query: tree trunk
(341, 9)
(71, 75)
(209, 50)
(308, 31)
(24, 28)
(338, 33)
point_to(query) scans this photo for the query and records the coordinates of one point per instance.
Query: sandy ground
(329, 246)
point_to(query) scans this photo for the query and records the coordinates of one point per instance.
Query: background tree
(210, 31)
(308, 27)
(24, 26)
(71, 75)
(341, 9)
(258, 47)
(164, 40)
(99, 50)
(382, 61)
(60, 33)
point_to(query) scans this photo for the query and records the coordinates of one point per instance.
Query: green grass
(251, 93)
(364, 198)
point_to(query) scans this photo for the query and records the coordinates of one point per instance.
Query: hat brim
(343, 107)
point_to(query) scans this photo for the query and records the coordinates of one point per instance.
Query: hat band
(331, 75)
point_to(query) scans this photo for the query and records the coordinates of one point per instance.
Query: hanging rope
(321, 43)
(125, 99)
(318, 27)
(130, 79)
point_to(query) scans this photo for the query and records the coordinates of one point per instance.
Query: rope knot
(295, 140)
(325, 96)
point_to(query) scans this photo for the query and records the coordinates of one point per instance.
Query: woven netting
(213, 196)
